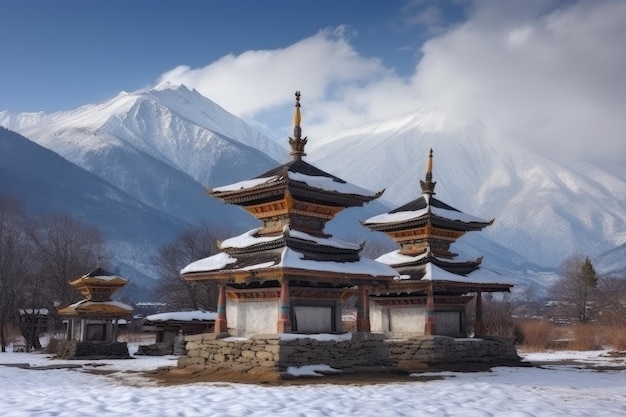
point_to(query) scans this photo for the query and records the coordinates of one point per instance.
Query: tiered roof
(294, 201)
(425, 228)
(97, 287)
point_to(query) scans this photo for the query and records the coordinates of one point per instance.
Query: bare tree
(192, 244)
(576, 286)
(612, 300)
(66, 249)
(14, 262)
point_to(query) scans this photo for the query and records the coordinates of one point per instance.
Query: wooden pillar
(284, 315)
(429, 325)
(363, 311)
(478, 324)
(221, 326)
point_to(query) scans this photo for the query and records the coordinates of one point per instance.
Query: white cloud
(551, 79)
(556, 82)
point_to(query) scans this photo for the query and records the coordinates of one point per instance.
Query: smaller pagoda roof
(427, 267)
(96, 309)
(423, 207)
(100, 276)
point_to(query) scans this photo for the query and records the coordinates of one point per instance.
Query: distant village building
(289, 276)
(169, 326)
(92, 323)
(432, 290)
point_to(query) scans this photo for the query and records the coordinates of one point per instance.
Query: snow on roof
(183, 316)
(243, 185)
(290, 258)
(480, 276)
(88, 303)
(456, 215)
(398, 217)
(248, 239)
(396, 258)
(328, 184)
(335, 243)
(293, 259)
(403, 216)
(314, 181)
(210, 263)
(434, 273)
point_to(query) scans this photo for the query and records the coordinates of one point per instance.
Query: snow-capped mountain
(161, 146)
(545, 209)
(146, 142)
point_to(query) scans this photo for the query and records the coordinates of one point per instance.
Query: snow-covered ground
(569, 389)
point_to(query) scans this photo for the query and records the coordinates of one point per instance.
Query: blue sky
(62, 54)
(549, 74)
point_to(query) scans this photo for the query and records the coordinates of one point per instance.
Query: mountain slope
(544, 209)
(157, 145)
(47, 184)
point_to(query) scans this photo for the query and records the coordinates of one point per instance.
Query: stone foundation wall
(435, 350)
(72, 349)
(362, 352)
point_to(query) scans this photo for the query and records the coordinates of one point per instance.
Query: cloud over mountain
(548, 75)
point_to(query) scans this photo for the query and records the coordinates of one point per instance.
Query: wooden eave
(280, 274)
(410, 286)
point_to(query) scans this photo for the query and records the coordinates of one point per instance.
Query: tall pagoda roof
(296, 177)
(301, 179)
(294, 200)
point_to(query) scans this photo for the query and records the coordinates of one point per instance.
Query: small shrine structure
(433, 288)
(168, 326)
(92, 323)
(289, 276)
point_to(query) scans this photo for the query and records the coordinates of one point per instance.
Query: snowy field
(573, 388)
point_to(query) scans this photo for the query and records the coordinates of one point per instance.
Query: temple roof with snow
(294, 201)
(97, 287)
(425, 228)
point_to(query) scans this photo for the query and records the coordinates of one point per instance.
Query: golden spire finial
(428, 186)
(297, 142)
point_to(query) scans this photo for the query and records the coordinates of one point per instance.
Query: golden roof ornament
(428, 186)
(297, 142)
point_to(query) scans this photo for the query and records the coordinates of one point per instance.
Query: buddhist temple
(433, 288)
(289, 275)
(92, 323)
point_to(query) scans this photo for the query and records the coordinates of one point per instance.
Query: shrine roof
(97, 308)
(423, 207)
(297, 171)
(196, 315)
(100, 276)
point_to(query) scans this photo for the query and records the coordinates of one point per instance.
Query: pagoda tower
(289, 275)
(432, 290)
(92, 328)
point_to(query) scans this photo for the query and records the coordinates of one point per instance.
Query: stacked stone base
(71, 349)
(363, 352)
